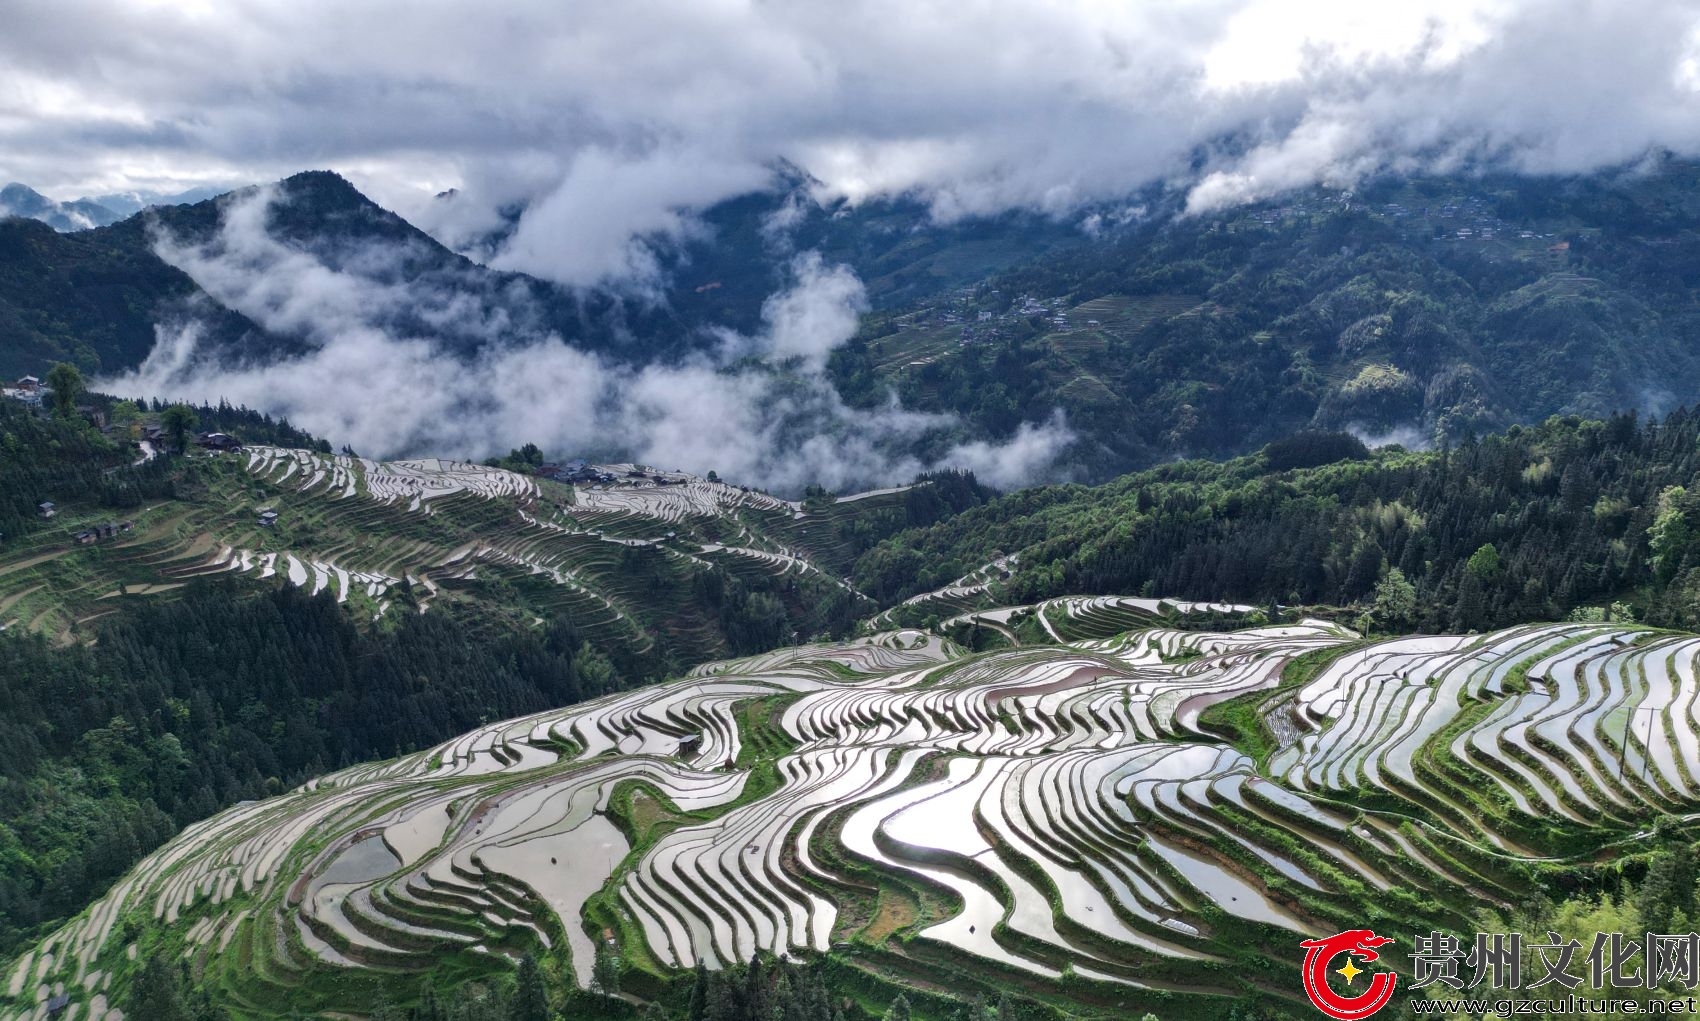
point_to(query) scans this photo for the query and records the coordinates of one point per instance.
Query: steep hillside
(1525, 525)
(1411, 309)
(666, 569)
(81, 298)
(1150, 820)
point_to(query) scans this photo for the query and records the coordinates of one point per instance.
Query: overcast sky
(610, 116)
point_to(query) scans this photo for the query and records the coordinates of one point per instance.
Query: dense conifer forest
(1535, 523)
(1434, 307)
(177, 709)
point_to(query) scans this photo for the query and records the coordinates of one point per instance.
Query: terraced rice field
(404, 536)
(970, 591)
(1123, 314)
(1054, 809)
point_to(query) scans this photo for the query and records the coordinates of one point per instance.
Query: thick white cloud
(585, 227)
(386, 393)
(611, 116)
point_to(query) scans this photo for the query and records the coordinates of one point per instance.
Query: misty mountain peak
(327, 188)
(79, 214)
(23, 200)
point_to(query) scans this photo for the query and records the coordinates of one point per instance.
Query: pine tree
(698, 1010)
(157, 994)
(758, 997)
(899, 1009)
(531, 997)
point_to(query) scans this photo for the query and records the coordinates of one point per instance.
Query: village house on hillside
(577, 470)
(106, 530)
(218, 441)
(28, 390)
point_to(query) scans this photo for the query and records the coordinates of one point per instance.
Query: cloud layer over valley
(755, 408)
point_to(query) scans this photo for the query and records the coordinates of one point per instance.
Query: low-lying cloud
(757, 409)
(1411, 436)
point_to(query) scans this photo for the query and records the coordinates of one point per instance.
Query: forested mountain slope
(167, 648)
(81, 298)
(664, 567)
(1417, 308)
(1525, 525)
(1412, 309)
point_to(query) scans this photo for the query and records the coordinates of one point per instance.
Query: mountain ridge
(78, 214)
(1416, 308)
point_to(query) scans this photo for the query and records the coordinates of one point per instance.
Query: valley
(849, 512)
(1423, 310)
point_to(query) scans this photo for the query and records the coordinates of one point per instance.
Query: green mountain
(83, 299)
(1409, 309)
(78, 214)
(1526, 525)
(946, 762)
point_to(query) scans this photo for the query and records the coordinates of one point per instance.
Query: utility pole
(1646, 744)
(1623, 744)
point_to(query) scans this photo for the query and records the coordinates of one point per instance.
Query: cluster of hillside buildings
(983, 325)
(29, 390)
(583, 473)
(579, 471)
